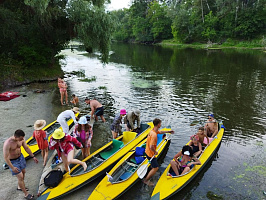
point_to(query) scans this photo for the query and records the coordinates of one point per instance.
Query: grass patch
(93, 78)
(102, 88)
(80, 73)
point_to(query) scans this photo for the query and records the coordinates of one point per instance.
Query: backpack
(53, 178)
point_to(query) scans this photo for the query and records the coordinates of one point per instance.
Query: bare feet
(149, 183)
(84, 165)
(44, 164)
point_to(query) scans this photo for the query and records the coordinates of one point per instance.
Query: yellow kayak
(169, 185)
(98, 163)
(127, 171)
(50, 128)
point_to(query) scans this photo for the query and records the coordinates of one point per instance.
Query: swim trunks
(99, 111)
(154, 162)
(19, 163)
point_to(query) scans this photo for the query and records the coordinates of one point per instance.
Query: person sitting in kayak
(203, 139)
(195, 145)
(211, 127)
(64, 146)
(183, 161)
(84, 132)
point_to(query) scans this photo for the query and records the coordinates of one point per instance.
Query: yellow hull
(70, 183)
(31, 142)
(168, 185)
(107, 190)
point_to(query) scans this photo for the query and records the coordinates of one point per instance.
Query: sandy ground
(21, 113)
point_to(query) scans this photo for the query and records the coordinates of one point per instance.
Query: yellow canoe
(98, 163)
(169, 185)
(50, 128)
(124, 174)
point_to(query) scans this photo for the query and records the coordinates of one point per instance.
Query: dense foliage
(33, 32)
(190, 21)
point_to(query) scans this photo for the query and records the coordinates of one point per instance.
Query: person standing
(65, 148)
(84, 131)
(150, 150)
(63, 90)
(115, 127)
(96, 108)
(15, 159)
(61, 119)
(130, 119)
(41, 138)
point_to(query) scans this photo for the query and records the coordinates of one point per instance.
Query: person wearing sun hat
(65, 148)
(115, 126)
(83, 132)
(130, 119)
(211, 126)
(41, 138)
(61, 119)
(183, 162)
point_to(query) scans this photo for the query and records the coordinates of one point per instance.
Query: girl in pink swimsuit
(63, 90)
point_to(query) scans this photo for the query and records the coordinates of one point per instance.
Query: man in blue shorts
(15, 159)
(96, 109)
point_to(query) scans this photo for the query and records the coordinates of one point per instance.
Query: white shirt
(66, 114)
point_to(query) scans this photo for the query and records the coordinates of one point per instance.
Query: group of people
(64, 143)
(187, 158)
(63, 93)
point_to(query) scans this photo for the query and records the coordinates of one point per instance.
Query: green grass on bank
(229, 43)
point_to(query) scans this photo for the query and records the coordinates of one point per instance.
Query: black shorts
(99, 111)
(154, 162)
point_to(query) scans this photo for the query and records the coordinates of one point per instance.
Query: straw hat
(58, 134)
(75, 109)
(39, 124)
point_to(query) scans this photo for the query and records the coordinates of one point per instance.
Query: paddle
(144, 168)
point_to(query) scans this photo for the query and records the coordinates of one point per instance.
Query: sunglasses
(209, 118)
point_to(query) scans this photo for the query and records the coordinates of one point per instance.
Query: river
(179, 86)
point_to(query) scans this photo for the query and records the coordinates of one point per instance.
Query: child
(75, 99)
(40, 136)
(203, 139)
(84, 131)
(196, 145)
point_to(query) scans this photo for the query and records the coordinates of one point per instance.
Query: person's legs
(102, 118)
(45, 156)
(174, 166)
(70, 159)
(88, 151)
(185, 170)
(66, 96)
(64, 126)
(21, 184)
(150, 174)
(83, 153)
(62, 97)
(64, 159)
(114, 134)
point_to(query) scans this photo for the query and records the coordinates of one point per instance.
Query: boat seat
(125, 175)
(133, 160)
(117, 144)
(128, 136)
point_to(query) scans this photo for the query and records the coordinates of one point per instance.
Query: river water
(179, 86)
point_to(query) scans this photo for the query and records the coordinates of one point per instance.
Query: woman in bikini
(195, 145)
(183, 161)
(63, 90)
(64, 146)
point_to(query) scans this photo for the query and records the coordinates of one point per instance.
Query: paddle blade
(142, 171)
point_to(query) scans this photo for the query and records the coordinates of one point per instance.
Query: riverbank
(13, 75)
(258, 44)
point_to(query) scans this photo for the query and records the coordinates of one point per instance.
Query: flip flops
(29, 196)
(27, 189)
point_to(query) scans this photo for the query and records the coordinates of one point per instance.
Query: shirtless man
(211, 127)
(15, 159)
(96, 108)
